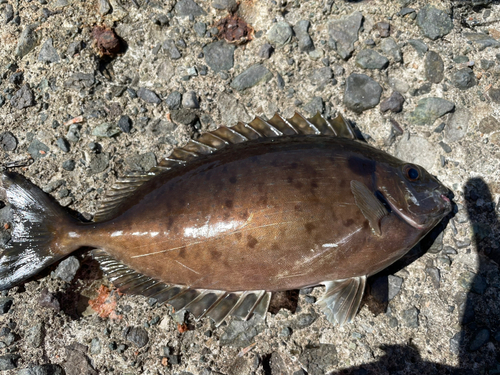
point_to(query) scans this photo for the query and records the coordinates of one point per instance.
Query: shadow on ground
(477, 345)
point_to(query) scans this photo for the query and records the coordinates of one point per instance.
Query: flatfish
(238, 214)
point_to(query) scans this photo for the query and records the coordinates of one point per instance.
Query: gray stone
(487, 125)
(141, 162)
(314, 106)
(8, 361)
(200, 28)
(410, 317)
(434, 23)
(304, 320)
(27, 40)
(173, 100)
(219, 55)
(230, 5)
(394, 103)
(47, 369)
(23, 98)
(73, 134)
(434, 276)
(361, 93)
(69, 165)
(77, 363)
(7, 141)
(2, 100)
(66, 270)
(35, 335)
(464, 79)
(95, 346)
(391, 48)
(446, 148)
(479, 285)
(188, 8)
(321, 77)
(75, 48)
(301, 32)
(104, 7)
(240, 334)
(479, 338)
(171, 49)
(184, 116)
(231, 110)
(494, 94)
(8, 13)
(37, 149)
(48, 53)
(125, 124)
(384, 29)
(63, 144)
(136, 335)
(98, 163)
(434, 67)
(455, 342)
(394, 286)
(148, 96)
(189, 100)
(429, 110)
(16, 78)
(265, 51)
(5, 305)
(417, 150)
(79, 81)
(370, 59)
(106, 130)
(482, 41)
(419, 46)
(250, 77)
(343, 34)
(458, 124)
(280, 34)
(318, 359)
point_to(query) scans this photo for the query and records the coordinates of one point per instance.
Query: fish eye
(411, 172)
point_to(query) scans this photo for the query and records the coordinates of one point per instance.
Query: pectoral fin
(342, 299)
(370, 206)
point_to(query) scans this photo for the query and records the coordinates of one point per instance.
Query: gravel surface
(91, 90)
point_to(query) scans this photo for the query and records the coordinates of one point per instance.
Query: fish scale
(240, 213)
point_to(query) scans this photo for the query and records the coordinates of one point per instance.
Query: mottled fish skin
(272, 214)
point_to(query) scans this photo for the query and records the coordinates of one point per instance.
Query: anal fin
(342, 298)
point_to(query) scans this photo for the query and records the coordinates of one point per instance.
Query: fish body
(260, 215)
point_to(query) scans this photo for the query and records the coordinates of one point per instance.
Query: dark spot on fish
(298, 185)
(314, 184)
(182, 252)
(226, 216)
(298, 208)
(294, 166)
(244, 215)
(182, 201)
(343, 183)
(252, 241)
(262, 200)
(229, 203)
(348, 222)
(309, 227)
(170, 222)
(289, 179)
(360, 166)
(214, 254)
(366, 225)
(238, 235)
(275, 163)
(233, 180)
(275, 246)
(224, 169)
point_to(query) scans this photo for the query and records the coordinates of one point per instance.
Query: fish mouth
(443, 208)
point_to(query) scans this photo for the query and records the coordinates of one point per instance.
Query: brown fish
(240, 213)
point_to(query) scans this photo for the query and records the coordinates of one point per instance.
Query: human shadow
(478, 342)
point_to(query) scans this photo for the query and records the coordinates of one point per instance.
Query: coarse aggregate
(418, 79)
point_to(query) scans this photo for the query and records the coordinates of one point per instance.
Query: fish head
(414, 194)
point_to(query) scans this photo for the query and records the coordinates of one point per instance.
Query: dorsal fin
(212, 141)
(217, 304)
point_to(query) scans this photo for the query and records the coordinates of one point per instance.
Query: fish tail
(34, 222)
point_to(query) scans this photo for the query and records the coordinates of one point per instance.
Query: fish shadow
(478, 342)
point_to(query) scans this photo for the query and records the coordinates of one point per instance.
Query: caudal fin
(33, 219)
